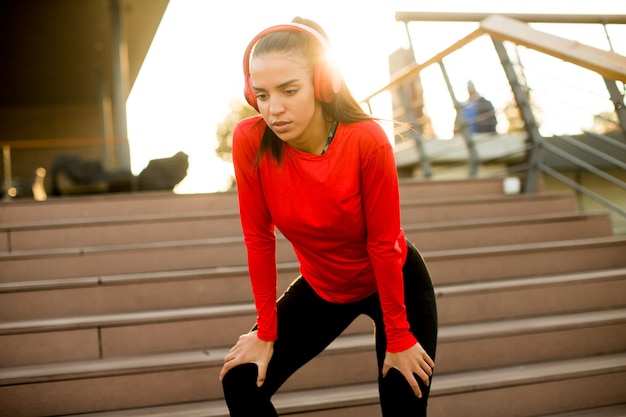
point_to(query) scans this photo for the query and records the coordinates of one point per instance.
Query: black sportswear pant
(307, 324)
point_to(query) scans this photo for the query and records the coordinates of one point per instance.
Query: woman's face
(286, 98)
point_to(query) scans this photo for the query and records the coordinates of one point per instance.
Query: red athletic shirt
(339, 210)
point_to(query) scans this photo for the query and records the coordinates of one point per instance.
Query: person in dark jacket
(478, 112)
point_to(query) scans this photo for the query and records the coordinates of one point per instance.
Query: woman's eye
(261, 96)
(291, 91)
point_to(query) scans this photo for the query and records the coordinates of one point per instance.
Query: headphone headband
(326, 79)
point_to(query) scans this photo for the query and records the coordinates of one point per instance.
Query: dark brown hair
(343, 107)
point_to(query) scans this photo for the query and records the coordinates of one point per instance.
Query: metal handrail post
(474, 158)
(617, 97)
(535, 156)
(618, 104)
(8, 176)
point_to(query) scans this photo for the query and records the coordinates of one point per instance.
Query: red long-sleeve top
(339, 210)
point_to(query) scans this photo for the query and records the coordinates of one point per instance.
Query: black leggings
(307, 324)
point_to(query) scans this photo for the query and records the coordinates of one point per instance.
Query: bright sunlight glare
(192, 72)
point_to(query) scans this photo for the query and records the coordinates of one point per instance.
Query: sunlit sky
(192, 72)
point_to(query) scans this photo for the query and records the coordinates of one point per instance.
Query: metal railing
(601, 155)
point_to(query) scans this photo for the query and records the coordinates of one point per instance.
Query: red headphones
(326, 80)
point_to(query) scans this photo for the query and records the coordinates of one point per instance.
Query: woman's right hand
(249, 349)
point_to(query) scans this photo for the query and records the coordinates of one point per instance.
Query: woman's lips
(280, 127)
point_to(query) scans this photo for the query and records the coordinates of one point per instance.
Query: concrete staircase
(125, 305)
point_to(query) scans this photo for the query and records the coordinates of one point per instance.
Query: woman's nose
(276, 105)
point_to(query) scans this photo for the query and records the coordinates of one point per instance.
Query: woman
(317, 167)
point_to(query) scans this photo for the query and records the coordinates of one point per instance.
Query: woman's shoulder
(249, 131)
(368, 130)
(252, 123)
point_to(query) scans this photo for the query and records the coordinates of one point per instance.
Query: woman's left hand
(411, 362)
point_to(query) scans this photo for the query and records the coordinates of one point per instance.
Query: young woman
(317, 167)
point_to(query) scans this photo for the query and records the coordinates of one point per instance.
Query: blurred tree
(238, 111)
(513, 116)
(605, 122)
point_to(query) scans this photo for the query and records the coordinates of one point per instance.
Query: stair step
(124, 258)
(559, 386)
(131, 292)
(529, 389)
(419, 188)
(618, 410)
(103, 205)
(420, 216)
(501, 343)
(476, 207)
(522, 260)
(535, 294)
(461, 346)
(471, 233)
(186, 226)
(446, 265)
(206, 410)
(120, 229)
(115, 320)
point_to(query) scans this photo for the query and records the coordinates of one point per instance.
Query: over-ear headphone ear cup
(326, 82)
(248, 93)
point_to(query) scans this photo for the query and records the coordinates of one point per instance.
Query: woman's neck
(316, 140)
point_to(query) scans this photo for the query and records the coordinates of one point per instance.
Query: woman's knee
(397, 397)
(242, 395)
(240, 380)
